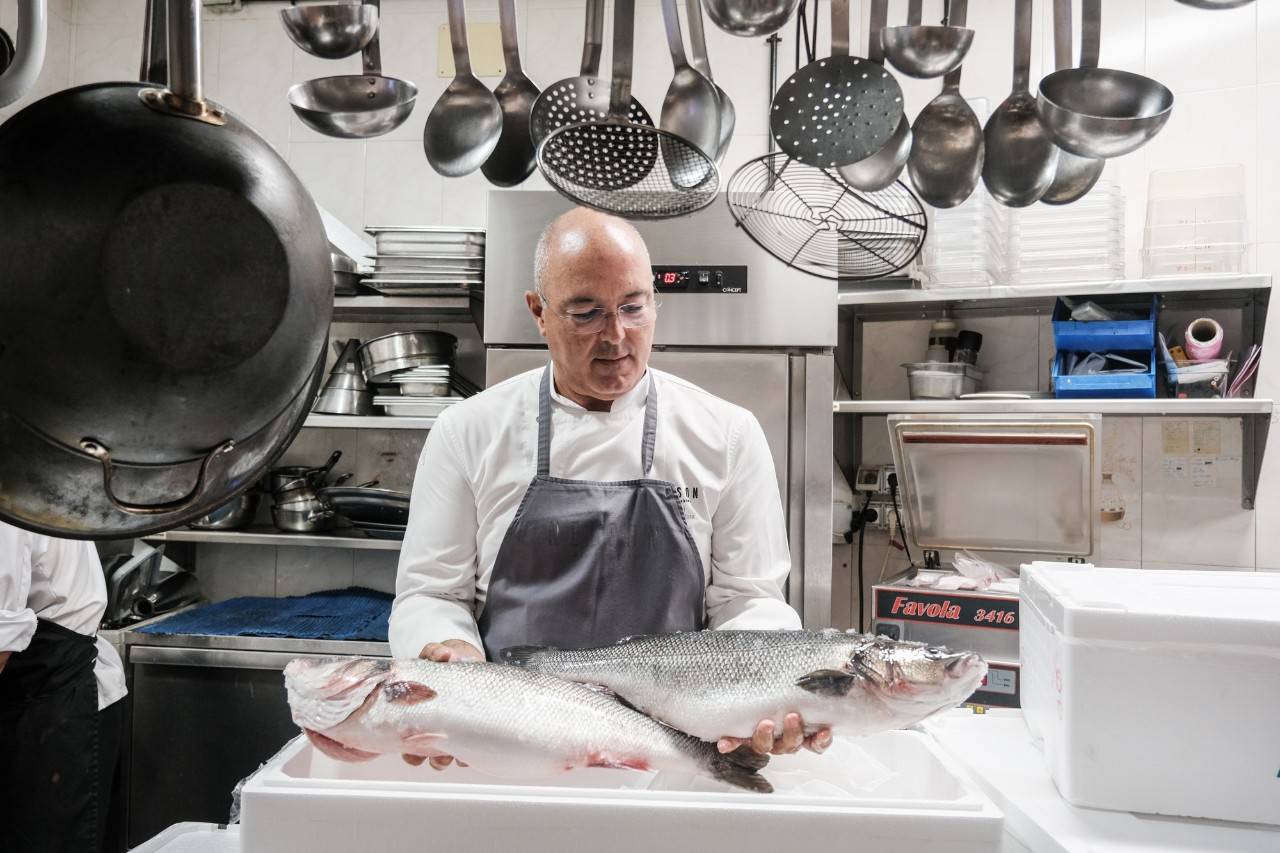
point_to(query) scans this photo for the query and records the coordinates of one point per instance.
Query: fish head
(324, 692)
(914, 678)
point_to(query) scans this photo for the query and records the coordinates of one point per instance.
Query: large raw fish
(499, 719)
(712, 684)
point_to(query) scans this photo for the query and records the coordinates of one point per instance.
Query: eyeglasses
(589, 321)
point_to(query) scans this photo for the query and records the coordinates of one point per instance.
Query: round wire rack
(812, 220)
(632, 170)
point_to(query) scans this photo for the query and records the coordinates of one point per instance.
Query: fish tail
(526, 657)
(740, 768)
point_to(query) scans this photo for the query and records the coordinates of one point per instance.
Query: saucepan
(232, 515)
(190, 295)
(382, 356)
(302, 516)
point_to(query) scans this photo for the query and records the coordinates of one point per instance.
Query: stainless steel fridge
(734, 321)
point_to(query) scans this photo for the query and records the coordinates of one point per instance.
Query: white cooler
(892, 793)
(1156, 691)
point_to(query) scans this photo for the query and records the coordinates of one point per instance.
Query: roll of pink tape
(1204, 339)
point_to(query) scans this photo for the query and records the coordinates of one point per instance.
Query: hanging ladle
(947, 148)
(926, 51)
(691, 108)
(466, 121)
(699, 59)
(515, 157)
(1075, 175)
(1101, 112)
(882, 168)
(1021, 158)
(355, 106)
(331, 30)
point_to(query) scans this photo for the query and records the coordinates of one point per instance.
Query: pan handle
(102, 453)
(33, 32)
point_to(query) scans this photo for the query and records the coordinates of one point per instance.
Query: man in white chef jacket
(596, 498)
(60, 691)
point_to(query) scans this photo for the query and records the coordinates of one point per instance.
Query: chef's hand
(767, 741)
(449, 650)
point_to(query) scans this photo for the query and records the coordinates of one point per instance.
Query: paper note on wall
(1174, 467)
(1206, 437)
(1204, 473)
(1175, 438)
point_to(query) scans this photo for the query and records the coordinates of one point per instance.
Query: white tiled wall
(1224, 68)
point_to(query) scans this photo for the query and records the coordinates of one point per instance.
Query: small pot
(297, 490)
(383, 356)
(302, 517)
(232, 515)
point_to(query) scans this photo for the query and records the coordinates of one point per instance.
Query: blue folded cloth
(354, 613)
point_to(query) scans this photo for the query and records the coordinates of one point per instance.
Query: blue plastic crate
(1106, 385)
(1105, 335)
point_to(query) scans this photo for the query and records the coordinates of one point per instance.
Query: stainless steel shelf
(856, 294)
(271, 536)
(453, 304)
(1171, 407)
(367, 422)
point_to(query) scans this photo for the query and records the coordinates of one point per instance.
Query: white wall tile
(107, 51)
(401, 188)
(1268, 42)
(334, 174)
(1224, 43)
(254, 71)
(232, 571)
(301, 571)
(376, 570)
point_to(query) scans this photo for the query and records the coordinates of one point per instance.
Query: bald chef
(595, 498)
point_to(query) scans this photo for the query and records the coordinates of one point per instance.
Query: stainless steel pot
(381, 357)
(189, 297)
(232, 515)
(302, 517)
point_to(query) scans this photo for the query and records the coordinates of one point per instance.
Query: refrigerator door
(778, 307)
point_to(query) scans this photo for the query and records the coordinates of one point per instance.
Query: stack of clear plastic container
(966, 245)
(1081, 241)
(1196, 222)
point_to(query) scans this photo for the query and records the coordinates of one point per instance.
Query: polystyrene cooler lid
(1204, 608)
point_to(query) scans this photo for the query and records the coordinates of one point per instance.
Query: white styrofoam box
(194, 838)
(1156, 691)
(892, 792)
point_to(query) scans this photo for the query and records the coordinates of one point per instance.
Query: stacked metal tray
(411, 260)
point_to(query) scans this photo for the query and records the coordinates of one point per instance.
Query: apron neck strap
(647, 439)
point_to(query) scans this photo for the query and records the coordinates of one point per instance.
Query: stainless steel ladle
(466, 121)
(926, 51)
(1075, 175)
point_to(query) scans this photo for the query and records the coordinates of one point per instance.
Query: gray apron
(586, 563)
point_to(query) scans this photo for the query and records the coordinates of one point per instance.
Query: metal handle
(915, 13)
(958, 13)
(371, 55)
(458, 37)
(698, 38)
(875, 29)
(155, 61)
(624, 21)
(671, 23)
(184, 50)
(102, 453)
(227, 658)
(33, 36)
(593, 39)
(1061, 34)
(839, 27)
(1090, 33)
(1021, 45)
(510, 41)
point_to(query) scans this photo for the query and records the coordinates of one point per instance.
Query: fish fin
(408, 692)
(828, 682)
(523, 655)
(426, 744)
(336, 750)
(616, 762)
(741, 769)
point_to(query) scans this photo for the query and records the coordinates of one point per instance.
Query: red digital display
(669, 278)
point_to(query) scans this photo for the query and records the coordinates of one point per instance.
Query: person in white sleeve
(60, 691)
(595, 498)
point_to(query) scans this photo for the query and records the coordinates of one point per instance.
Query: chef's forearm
(419, 620)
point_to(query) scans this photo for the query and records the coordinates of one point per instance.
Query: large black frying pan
(164, 299)
(376, 506)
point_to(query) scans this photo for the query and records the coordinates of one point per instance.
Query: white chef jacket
(481, 455)
(59, 580)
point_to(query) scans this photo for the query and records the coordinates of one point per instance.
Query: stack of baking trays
(409, 261)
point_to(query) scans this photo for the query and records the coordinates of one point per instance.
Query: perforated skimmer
(838, 110)
(619, 165)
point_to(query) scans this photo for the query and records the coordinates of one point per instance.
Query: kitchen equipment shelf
(1245, 296)
(367, 422)
(448, 305)
(272, 536)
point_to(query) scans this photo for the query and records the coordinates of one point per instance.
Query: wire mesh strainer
(810, 219)
(620, 166)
